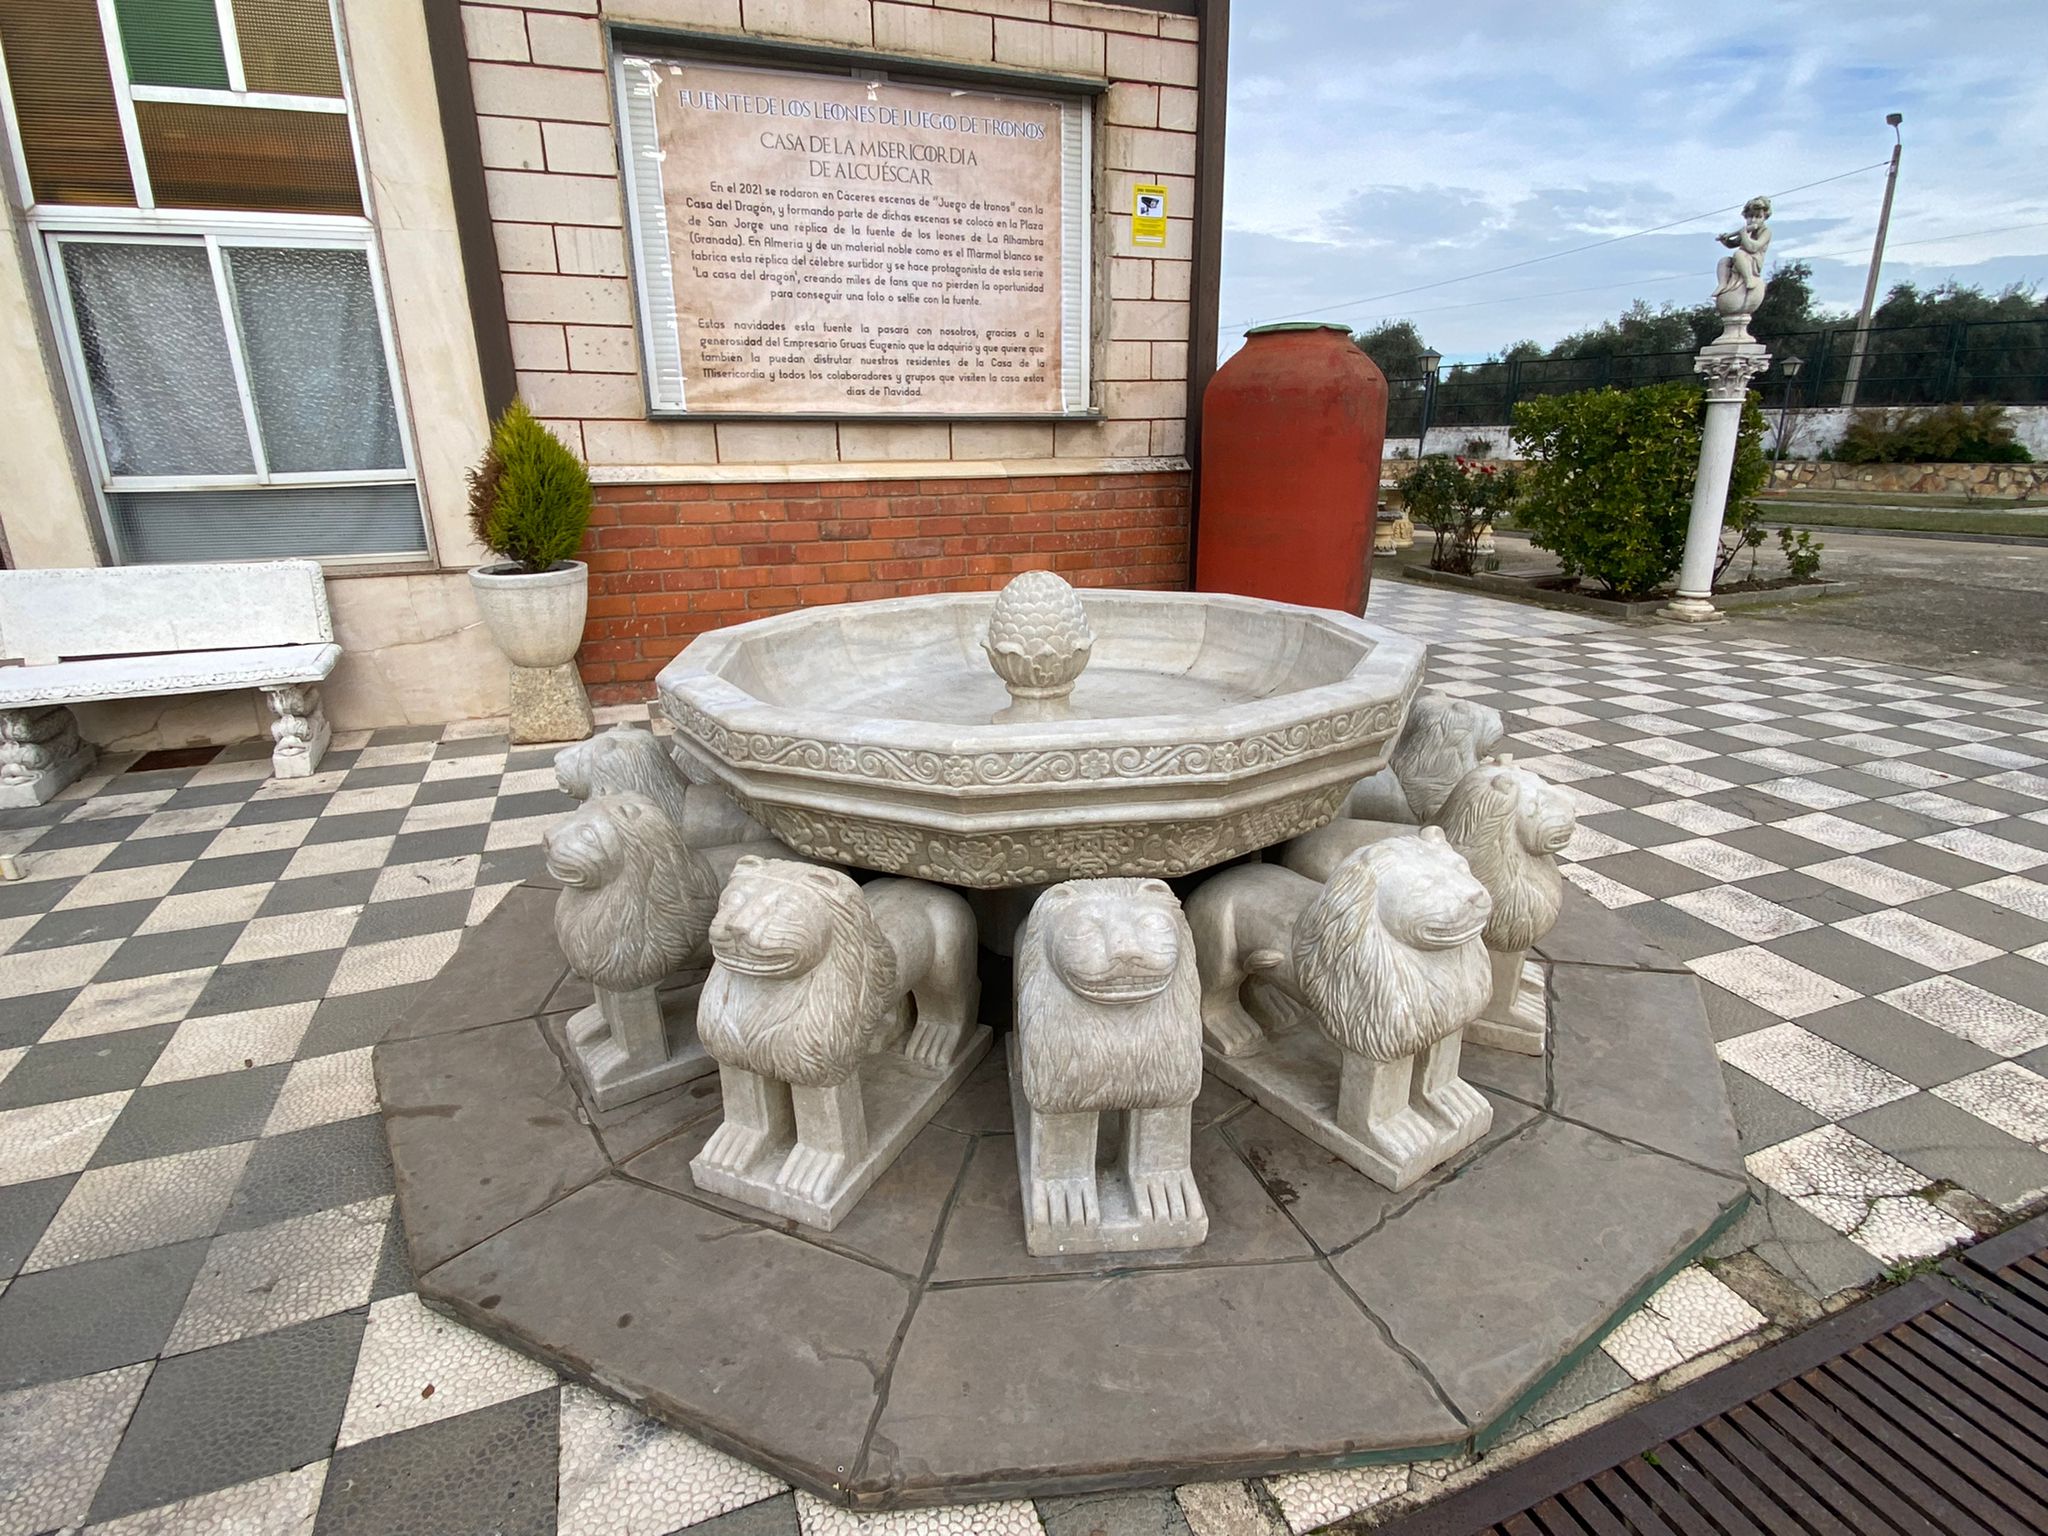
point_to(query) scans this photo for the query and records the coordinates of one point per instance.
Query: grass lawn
(1929, 519)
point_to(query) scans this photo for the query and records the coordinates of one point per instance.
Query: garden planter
(536, 617)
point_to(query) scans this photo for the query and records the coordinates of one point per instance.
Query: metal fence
(2001, 360)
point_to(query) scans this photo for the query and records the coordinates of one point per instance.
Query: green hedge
(1609, 486)
(1939, 434)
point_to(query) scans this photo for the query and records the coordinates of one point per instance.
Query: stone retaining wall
(2008, 482)
(1993, 482)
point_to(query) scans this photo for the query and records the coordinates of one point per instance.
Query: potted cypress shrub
(529, 502)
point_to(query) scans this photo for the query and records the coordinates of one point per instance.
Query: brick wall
(538, 69)
(670, 561)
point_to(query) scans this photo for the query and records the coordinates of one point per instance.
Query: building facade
(272, 265)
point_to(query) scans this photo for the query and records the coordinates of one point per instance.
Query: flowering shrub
(1455, 499)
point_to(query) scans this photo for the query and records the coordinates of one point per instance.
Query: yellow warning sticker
(1148, 215)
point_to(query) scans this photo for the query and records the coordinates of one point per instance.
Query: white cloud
(1378, 147)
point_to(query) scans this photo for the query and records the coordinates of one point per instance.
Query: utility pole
(1884, 219)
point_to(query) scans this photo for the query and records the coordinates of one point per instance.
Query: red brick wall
(669, 562)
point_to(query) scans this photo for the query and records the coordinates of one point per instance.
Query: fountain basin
(1205, 726)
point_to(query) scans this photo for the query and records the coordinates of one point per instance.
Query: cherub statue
(1741, 271)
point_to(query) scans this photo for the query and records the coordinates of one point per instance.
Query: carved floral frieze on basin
(1205, 726)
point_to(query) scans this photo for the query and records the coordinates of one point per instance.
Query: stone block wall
(539, 73)
(1993, 482)
(705, 523)
(672, 560)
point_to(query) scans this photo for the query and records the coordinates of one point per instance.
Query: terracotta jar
(1292, 429)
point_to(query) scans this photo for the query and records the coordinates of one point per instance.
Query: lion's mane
(812, 1028)
(1443, 737)
(624, 759)
(1082, 1053)
(1374, 991)
(1509, 823)
(636, 901)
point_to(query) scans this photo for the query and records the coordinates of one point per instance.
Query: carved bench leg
(300, 730)
(40, 752)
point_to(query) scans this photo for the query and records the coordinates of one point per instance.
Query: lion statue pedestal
(1386, 962)
(1107, 1049)
(824, 1075)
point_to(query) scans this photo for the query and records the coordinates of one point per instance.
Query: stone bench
(129, 632)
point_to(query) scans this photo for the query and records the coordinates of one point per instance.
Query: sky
(1375, 146)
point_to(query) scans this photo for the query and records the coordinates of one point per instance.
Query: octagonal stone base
(918, 1354)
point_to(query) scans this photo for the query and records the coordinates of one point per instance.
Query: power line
(1531, 261)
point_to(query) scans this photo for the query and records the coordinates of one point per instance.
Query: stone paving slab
(923, 1355)
(1767, 738)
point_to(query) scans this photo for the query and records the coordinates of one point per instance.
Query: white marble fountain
(1041, 737)
(846, 778)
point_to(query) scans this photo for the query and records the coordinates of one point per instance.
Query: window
(213, 279)
(216, 365)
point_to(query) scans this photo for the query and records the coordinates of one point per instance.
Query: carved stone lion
(636, 899)
(810, 976)
(629, 759)
(636, 904)
(1510, 825)
(805, 981)
(1109, 1018)
(1387, 959)
(1441, 740)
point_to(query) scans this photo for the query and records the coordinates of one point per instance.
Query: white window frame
(51, 224)
(215, 243)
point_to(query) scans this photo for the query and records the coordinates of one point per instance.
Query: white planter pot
(536, 617)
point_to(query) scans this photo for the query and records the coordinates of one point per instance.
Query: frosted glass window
(156, 358)
(309, 328)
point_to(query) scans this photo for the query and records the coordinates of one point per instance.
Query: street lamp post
(1884, 219)
(1431, 361)
(1790, 368)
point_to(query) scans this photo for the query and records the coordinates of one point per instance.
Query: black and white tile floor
(205, 1319)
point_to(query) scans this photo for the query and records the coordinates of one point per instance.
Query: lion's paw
(732, 1146)
(1073, 1202)
(1231, 1030)
(1167, 1196)
(811, 1174)
(933, 1044)
(1457, 1104)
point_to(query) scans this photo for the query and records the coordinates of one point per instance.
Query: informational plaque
(828, 245)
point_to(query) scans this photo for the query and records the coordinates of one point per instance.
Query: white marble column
(1727, 364)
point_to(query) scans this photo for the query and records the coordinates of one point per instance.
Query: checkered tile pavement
(205, 1317)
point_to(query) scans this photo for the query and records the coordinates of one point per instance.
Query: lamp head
(1791, 366)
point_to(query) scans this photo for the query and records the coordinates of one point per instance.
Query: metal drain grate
(1924, 1410)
